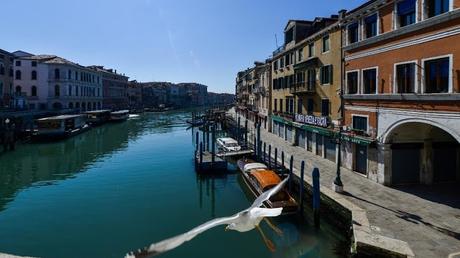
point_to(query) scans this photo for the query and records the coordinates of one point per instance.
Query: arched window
(2, 69)
(18, 75)
(57, 91)
(57, 74)
(77, 105)
(18, 90)
(34, 91)
(71, 105)
(70, 90)
(34, 75)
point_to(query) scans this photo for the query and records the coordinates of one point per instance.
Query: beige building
(307, 76)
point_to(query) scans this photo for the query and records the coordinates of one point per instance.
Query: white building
(52, 82)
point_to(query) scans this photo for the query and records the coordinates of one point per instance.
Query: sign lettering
(312, 120)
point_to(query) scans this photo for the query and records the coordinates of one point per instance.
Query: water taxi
(98, 117)
(228, 144)
(118, 116)
(260, 179)
(59, 127)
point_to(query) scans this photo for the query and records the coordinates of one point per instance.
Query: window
(437, 75)
(352, 82)
(370, 25)
(281, 62)
(310, 106)
(281, 105)
(353, 33)
(311, 49)
(436, 7)
(300, 55)
(405, 78)
(405, 12)
(326, 74)
(76, 90)
(289, 36)
(288, 59)
(34, 75)
(1, 88)
(299, 106)
(34, 91)
(18, 75)
(275, 66)
(326, 43)
(290, 105)
(18, 90)
(18, 63)
(370, 81)
(2, 69)
(57, 91)
(360, 123)
(325, 107)
(70, 90)
(311, 78)
(69, 75)
(57, 74)
(34, 63)
(276, 105)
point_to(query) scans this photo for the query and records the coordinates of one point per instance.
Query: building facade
(306, 82)
(402, 91)
(50, 82)
(114, 88)
(6, 78)
(135, 96)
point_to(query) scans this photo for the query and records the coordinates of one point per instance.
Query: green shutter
(330, 74)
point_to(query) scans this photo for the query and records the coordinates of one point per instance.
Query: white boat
(228, 144)
(58, 127)
(253, 167)
(121, 115)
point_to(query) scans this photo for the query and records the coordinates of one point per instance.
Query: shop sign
(322, 121)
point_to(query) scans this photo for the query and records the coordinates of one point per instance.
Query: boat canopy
(120, 112)
(254, 166)
(266, 178)
(97, 111)
(228, 140)
(62, 117)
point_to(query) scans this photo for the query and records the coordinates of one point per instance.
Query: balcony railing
(279, 50)
(303, 88)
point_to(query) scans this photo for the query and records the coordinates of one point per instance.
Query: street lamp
(338, 185)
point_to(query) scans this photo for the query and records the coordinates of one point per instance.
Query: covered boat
(260, 179)
(118, 116)
(98, 117)
(58, 127)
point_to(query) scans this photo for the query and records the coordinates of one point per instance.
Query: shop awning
(356, 139)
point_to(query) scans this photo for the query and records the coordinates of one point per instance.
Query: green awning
(357, 140)
(313, 129)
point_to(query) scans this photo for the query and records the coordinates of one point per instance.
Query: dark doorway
(361, 159)
(445, 162)
(406, 163)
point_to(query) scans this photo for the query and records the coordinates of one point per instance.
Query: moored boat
(59, 127)
(98, 117)
(260, 179)
(118, 116)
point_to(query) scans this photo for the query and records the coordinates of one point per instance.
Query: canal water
(122, 186)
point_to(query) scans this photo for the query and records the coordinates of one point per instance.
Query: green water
(122, 186)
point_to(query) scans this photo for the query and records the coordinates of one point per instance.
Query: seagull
(243, 221)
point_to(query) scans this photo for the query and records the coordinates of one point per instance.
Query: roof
(228, 140)
(266, 178)
(61, 117)
(252, 166)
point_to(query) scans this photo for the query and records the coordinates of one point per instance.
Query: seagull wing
(267, 194)
(171, 243)
(264, 212)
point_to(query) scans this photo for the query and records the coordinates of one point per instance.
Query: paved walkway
(431, 226)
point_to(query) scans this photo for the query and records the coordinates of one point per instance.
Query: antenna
(276, 40)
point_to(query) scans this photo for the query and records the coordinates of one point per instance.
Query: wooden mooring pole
(270, 156)
(264, 155)
(276, 158)
(291, 164)
(213, 143)
(302, 174)
(316, 196)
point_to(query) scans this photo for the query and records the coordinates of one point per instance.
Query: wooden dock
(234, 153)
(205, 163)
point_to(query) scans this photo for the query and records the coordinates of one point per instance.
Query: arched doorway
(423, 152)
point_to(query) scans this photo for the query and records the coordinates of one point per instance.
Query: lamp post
(338, 185)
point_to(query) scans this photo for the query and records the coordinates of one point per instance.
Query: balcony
(260, 91)
(303, 88)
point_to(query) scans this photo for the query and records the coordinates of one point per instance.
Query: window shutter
(330, 74)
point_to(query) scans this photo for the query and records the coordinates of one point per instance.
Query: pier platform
(204, 163)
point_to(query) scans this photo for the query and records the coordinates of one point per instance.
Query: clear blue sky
(204, 41)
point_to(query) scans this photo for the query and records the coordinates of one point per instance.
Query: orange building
(401, 91)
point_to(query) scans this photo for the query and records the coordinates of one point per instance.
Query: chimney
(342, 14)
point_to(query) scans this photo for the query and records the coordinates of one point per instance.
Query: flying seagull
(243, 221)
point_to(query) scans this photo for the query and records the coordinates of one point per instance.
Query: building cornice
(446, 17)
(405, 97)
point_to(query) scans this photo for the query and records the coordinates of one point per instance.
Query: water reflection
(44, 164)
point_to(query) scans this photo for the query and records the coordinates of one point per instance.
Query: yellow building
(307, 77)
